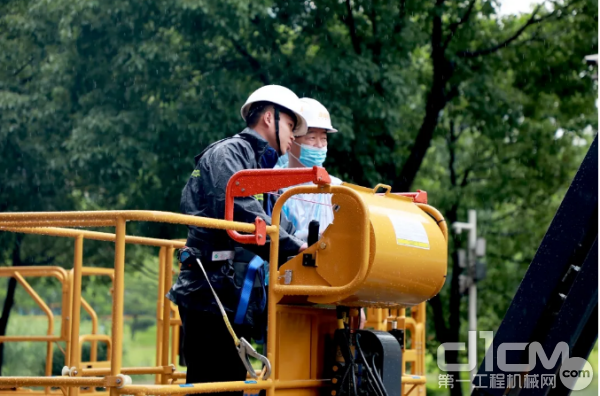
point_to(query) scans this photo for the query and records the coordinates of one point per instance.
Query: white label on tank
(409, 232)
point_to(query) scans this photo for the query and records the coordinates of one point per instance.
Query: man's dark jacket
(204, 195)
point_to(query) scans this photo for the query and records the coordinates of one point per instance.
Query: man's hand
(303, 247)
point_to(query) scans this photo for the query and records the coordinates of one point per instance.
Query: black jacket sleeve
(217, 168)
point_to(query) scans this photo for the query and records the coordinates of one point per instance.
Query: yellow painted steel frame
(113, 377)
(72, 358)
(65, 279)
(276, 291)
(45, 223)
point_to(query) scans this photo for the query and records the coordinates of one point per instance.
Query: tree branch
(45, 261)
(20, 69)
(454, 26)
(465, 179)
(401, 15)
(352, 28)
(451, 140)
(512, 213)
(437, 98)
(10, 293)
(375, 44)
(525, 261)
(441, 330)
(506, 234)
(254, 63)
(467, 54)
(453, 92)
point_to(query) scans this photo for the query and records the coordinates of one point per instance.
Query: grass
(28, 358)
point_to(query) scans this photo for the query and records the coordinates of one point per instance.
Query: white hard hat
(281, 96)
(316, 115)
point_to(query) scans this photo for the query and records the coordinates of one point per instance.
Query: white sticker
(409, 232)
(223, 255)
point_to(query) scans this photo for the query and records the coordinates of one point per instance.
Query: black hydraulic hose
(353, 380)
(381, 390)
(349, 376)
(377, 374)
(375, 366)
(343, 380)
(374, 386)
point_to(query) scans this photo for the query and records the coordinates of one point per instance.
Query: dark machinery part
(313, 232)
(367, 363)
(557, 300)
(313, 237)
(398, 335)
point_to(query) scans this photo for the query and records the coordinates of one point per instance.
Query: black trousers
(209, 350)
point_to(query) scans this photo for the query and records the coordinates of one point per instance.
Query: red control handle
(250, 182)
(418, 197)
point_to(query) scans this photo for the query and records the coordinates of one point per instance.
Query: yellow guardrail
(48, 223)
(113, 377)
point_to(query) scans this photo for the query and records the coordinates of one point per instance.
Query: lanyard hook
(245, 350)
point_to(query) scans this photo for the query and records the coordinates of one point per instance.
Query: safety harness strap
(279, 152)
(242, 307)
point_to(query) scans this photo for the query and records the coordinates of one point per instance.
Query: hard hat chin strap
(277, 129)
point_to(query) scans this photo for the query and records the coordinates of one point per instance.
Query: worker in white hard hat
(272, 115)
(310, 150)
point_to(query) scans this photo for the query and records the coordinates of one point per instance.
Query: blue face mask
(311, 156)
(283, 161)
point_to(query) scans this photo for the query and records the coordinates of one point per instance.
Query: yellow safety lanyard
(244, 348)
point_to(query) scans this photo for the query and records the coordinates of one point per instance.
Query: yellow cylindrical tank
(404, 251)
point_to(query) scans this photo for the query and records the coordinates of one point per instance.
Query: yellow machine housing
(403, 248)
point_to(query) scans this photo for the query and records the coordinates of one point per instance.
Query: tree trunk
(410, 168)
(10, 296)
(437, 98)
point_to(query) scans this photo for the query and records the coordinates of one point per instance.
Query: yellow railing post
(94, 344)
(64, 316)
(159, 310)
(66, 313)
(119, 293)
(48, 312)
(75, 357)
(166, 315)
(174, 335)
(272, 304)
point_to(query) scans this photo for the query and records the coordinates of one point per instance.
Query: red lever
(250, 182)
(418, 197)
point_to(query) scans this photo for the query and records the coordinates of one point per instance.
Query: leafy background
(103, 105)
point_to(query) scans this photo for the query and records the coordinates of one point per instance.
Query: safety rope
(225, 318)
(245, 350)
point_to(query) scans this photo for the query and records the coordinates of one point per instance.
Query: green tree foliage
(103, 105)
(508, 146)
